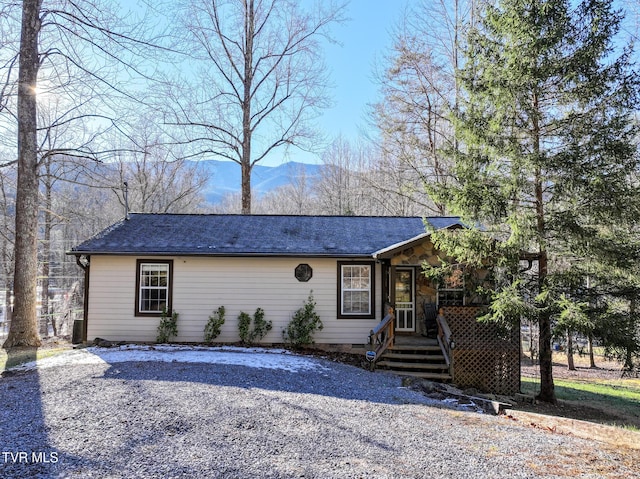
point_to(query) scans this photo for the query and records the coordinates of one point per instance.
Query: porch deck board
(423, 357)
(414, 340)
(425, 375)
(403, 365)
(405, 347)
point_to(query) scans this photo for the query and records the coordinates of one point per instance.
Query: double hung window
(153, 287)
(356, 290)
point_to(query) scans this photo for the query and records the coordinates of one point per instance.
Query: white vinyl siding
(201, 284)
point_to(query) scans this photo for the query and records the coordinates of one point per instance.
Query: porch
(418, 356)
(431, 329)
(466, 352)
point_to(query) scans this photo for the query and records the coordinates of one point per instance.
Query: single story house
(192, 264)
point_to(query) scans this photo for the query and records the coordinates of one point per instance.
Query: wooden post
(392, 293)
(392, 326)
(392, 285)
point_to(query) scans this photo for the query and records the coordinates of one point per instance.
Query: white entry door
(405, 303)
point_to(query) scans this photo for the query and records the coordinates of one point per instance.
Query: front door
(405, 303)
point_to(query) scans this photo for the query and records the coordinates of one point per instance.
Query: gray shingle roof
(259, 235)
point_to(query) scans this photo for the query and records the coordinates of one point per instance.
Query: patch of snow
(455, 402)
(249, 357)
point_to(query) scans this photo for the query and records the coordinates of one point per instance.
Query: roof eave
(221, 255)
(390, 251)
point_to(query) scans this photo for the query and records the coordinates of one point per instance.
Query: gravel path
(325, 420)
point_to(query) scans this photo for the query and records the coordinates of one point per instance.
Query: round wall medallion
(303, 272)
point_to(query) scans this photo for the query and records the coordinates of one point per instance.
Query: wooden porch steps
(424, 361)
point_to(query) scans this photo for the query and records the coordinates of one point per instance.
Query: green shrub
(249, 334)
(260, 326)
(303, 325)
(213, 328)
(168, 326)
(244, 326)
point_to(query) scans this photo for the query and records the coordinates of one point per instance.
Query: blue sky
(363, 39)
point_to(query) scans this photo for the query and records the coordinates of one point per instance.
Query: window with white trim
(356, 290)
(153, 287)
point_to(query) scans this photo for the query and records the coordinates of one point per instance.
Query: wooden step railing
(381, 337)
(445, 341)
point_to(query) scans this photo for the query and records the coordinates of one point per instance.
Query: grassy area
(24, 355)
(618, 400)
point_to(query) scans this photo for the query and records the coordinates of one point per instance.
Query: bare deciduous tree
(298, 197)
(7, 235)
(157, 180)
(262, 79)
(419, 89)
(24, 331)
(339, 189)
(59, 41)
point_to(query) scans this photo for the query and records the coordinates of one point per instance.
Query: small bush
(249, 334)
(244, 326)
(168, 326)
(213, 328)
(303, 325)
(260, 326)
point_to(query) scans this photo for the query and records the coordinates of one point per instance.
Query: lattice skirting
(485, 356)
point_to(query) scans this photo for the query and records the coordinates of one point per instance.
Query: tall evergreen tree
(546, 153)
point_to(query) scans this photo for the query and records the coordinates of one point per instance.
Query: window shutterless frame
(356, 290)
(154, 287)
(451, 291)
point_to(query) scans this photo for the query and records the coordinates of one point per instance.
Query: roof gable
(256, 235)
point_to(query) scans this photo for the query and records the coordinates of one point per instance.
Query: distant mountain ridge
(225, 177)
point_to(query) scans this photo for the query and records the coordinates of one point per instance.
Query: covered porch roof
(392, 250)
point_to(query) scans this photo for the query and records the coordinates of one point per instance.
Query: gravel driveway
(316, 419)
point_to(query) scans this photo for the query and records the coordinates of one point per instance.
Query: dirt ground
(605, 370)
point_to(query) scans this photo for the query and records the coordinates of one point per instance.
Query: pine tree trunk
(628, 360)
(547, 388)
(570, 362)
(531, 343)
(592, 359)
(24, 326)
